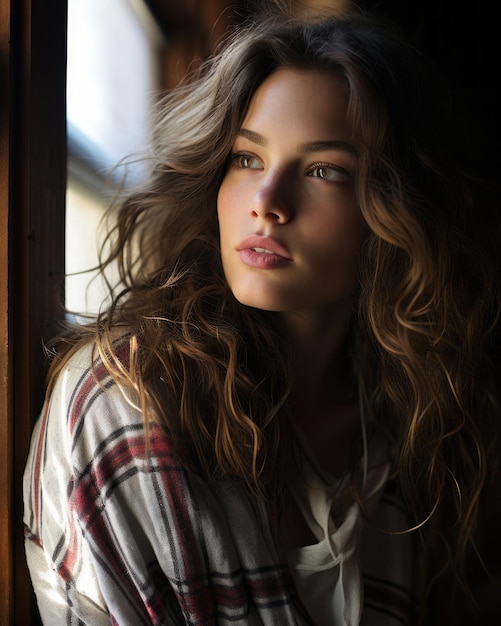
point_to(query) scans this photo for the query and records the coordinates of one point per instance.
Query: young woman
(288, 414)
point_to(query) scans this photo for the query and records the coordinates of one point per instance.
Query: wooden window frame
(32, 221)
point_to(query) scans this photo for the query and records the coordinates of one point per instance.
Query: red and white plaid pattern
(118, 535)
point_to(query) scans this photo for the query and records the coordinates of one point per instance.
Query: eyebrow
(319, 146)
(252, 136)
(310, 146)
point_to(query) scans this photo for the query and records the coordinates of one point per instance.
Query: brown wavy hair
(216, 374)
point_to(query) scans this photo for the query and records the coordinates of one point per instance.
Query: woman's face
(290, 227)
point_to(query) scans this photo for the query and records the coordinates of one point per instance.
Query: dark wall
(464, 40)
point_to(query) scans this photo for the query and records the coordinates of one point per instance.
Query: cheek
(228, 222)
(222, 209)
(227, 202)
(343, 228)
(334, 253)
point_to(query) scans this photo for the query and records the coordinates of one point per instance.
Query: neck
(322, 371)
(324, 395)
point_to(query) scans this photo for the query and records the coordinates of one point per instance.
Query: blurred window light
(113, 78)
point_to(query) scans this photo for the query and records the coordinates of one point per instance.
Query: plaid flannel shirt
(120, 534)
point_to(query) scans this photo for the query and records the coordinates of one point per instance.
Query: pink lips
(263, 253)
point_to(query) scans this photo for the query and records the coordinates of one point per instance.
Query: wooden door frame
(32, 219)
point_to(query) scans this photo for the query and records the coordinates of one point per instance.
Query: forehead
(306, 101)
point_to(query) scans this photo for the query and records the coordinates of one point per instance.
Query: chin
(261, 303)
(262, 306)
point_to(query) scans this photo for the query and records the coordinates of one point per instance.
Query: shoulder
(91, 436)
(88, 410)
(86, 379)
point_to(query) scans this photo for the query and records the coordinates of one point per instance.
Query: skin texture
(289, 191)
(291, 180)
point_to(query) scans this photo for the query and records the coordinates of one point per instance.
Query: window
(113, 78)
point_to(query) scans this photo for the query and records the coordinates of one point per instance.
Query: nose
(272, 201)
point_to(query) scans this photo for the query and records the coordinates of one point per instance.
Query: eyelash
(237, 157)
(344, 174)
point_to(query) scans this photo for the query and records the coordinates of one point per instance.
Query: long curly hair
(216, 374)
